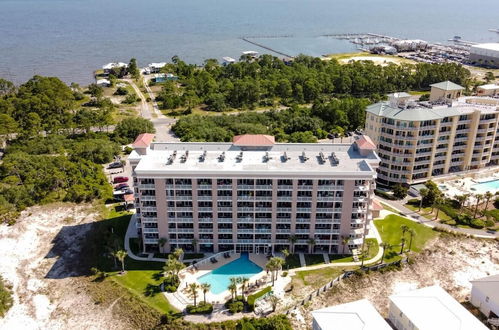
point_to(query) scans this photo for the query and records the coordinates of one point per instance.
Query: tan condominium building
(419, 140)
(253, 194)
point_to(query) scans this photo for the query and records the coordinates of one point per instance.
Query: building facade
(485, 295)
(419, 140)
(253, 195)
(485, 54)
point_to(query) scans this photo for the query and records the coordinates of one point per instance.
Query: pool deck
(464, 185)
(181, 298)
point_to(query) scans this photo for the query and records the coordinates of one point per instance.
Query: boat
(494, 30)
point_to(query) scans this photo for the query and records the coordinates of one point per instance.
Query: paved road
(414, 216)
(161, 123)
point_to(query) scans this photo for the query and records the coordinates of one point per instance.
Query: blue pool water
(220, 278)
(483, 187)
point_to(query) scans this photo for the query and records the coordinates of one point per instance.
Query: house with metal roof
(446, 90)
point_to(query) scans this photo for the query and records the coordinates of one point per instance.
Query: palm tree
(438, 202)
(478, 198)
(205, 287)
(384, 246)
(423, 192)
(404, 228)
(194, 243)
(292, 240)
(488, 196)
(369, 244)
(311, 244)
(177, 253)
(402, 243)
(193, 288)
(243, 280)
(466, 201)
(233, 289)
(461, 200)
(121, 255)
(344, 242)
(412, 233)
(161, 242)
(274, 301)
(173, 266)
(285, 252)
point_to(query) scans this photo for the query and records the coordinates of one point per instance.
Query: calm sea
(71, 38)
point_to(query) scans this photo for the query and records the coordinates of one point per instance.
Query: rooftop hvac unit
(222, 156)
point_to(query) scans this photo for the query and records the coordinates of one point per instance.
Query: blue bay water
(71, 38)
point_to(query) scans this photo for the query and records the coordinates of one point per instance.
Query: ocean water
(71, 38)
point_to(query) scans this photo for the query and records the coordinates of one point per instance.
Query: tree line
(269, 81)
(55, 145)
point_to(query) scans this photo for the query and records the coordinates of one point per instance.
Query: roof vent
(267, 157)
(322, 158)
(285, 157)
(239, 157)
(222, 156)
(171, 158)
(334, 158)
(184, 157)
(203, 156)
(304, 156)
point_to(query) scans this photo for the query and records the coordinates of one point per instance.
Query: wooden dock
(266, 47)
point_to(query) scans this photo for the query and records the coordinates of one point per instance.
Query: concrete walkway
(131, 232)
(416, 217)
(302, 259)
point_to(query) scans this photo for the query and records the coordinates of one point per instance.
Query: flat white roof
(103, 81)
(432, 308)
(356, 315)
(157, 65)
(279, 159)
(114, 65)
(488, 285)
(228, 59)
(490, 46)
(489, 86)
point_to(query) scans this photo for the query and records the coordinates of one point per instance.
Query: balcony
(205, 209)
(150, 230)
(205, 198)
(226, 241)
(147, 186)
(263, 209)
(183, 198)
(303, 209)
(147, 198)
(263, 187)
(304, 199)
(224, 209)
(205, 220)
(302, 220)
(283, 209)
(204, 186)
(224, 220)
(224, 198)
(148, 209)
(302, 231)
(205, 230)
(285, 187)
(151, 241)
(149, 219)
(183, 186)
(183, 209)
(245, 187)
(225, 230)
(224, 187)
(305, 187)
(264, 198)
(284, 198)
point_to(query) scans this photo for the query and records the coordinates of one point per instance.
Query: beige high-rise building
(253, 194)
(420, 140)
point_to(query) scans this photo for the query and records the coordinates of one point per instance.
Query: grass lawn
(292, 261)
(314, 259)
(389, 229)
(373, 251)
(142, 278)
(426, 212)
(314, 279)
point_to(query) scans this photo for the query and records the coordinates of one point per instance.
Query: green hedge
(252, 298)
(201, 308)
(385, 195)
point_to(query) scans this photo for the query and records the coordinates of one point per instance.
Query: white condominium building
(419, 140)
(253, 195)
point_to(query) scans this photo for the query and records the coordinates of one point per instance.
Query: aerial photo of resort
(264, 165)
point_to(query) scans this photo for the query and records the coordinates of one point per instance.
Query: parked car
(121, 186)
(114, 165)
(120, 179)
(128, 191)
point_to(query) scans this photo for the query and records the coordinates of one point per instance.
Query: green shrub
(236, 307)
(414, 201)
(171, 283)
(252, 298)
(385, 195)
(489, 223)
(201, 308)
(449, 210)
(477, 223)
(5, 298)
(284, 274)
(121, 91)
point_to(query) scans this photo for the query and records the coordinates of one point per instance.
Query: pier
(266, 47)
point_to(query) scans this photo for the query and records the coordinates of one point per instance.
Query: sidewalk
(131, 232)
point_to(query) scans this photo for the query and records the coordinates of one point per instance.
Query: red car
(120, 179)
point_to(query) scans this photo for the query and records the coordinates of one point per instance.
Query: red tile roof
(143, 140)
(129, 198)
(253, 140)
(365, 142)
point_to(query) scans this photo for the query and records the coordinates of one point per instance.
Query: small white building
(228, 60)
(430, 308)
(103, 82)
(110, 66)
(155, 67)
(485, 295)
(488, 90)
(357, 315)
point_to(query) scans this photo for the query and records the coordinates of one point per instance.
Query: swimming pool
(483, 187)
(219, 278)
